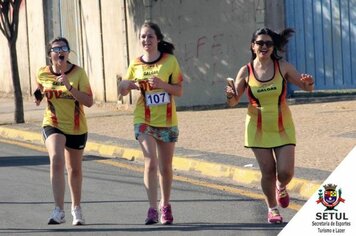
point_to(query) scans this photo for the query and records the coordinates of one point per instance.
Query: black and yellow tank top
(269, 121)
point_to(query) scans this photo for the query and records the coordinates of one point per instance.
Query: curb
(246, 177)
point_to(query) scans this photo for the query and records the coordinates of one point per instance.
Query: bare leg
(285, 165)
(148, 146)
(165, 157)
(73, 159)
(267, 165)
(55, 146)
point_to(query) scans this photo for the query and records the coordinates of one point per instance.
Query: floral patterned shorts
(164, 134)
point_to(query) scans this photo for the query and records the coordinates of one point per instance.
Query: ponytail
(165, 47)
(282, 39)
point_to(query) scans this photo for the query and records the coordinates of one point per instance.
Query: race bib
(158, 98)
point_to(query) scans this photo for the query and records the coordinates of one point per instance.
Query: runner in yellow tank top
(269, 130)
(269, 121)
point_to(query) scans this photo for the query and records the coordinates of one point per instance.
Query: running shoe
(274, 217)
(166, 215)
(77, 216)
(57, 217)
(152, 216)
(282, 197)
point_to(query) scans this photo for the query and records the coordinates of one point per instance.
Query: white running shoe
(57, 217)
(77, 216)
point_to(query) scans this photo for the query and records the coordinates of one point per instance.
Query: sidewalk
(211, 141)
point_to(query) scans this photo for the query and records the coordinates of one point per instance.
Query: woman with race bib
(158, 77)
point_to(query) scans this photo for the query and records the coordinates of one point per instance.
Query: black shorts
(72, 141)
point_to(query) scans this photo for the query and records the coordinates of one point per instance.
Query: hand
(38, 95)
(307, 79)
(229, 91)
(126, 85)
(37, 102)
(155, 82)
(131, 85)
(63, 80)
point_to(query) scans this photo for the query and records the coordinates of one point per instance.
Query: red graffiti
(216, 48)
(200, 43)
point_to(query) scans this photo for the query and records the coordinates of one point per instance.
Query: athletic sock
(272, 208)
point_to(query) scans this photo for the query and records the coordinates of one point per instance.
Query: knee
(57, 163)
(268, 178)
(285, 175)
(268, 174)
(74, 172)
(151, 166)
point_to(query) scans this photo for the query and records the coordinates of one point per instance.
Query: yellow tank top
(269, 121)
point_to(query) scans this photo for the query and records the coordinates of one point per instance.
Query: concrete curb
(243, 176)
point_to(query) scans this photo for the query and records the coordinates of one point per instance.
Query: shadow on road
(23, 161)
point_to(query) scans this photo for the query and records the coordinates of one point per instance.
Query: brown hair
(163, 46)
(279, 40)
(57, 39)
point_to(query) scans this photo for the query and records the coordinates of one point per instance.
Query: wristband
(70, 89)
(229, 97)
(312, 83)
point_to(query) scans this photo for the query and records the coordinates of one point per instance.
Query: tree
(9, 13)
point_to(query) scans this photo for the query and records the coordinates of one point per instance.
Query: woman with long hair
(157, 75)
(269, 130)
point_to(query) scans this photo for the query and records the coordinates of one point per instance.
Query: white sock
(280, 188)
(272, 208)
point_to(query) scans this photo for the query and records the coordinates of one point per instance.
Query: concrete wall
(114, 46)
(36, 41)
(30, 49)
(211, 39)
(212, 43)
(274, 15)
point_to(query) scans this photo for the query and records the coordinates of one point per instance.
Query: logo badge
(330, 198)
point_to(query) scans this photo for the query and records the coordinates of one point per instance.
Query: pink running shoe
(274, 217)
(282, 197)
(166, 215)
(152, 216)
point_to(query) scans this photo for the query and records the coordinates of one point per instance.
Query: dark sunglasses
(60, 49)
(267, 43)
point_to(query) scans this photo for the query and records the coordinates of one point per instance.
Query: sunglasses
(267, 43)
(60, 49)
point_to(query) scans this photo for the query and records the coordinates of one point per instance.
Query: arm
(126, 86)
(39, 87)
(240, 85)
(83, 98)
(303, 81)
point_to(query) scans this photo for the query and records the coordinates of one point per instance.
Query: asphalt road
(114, 201)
